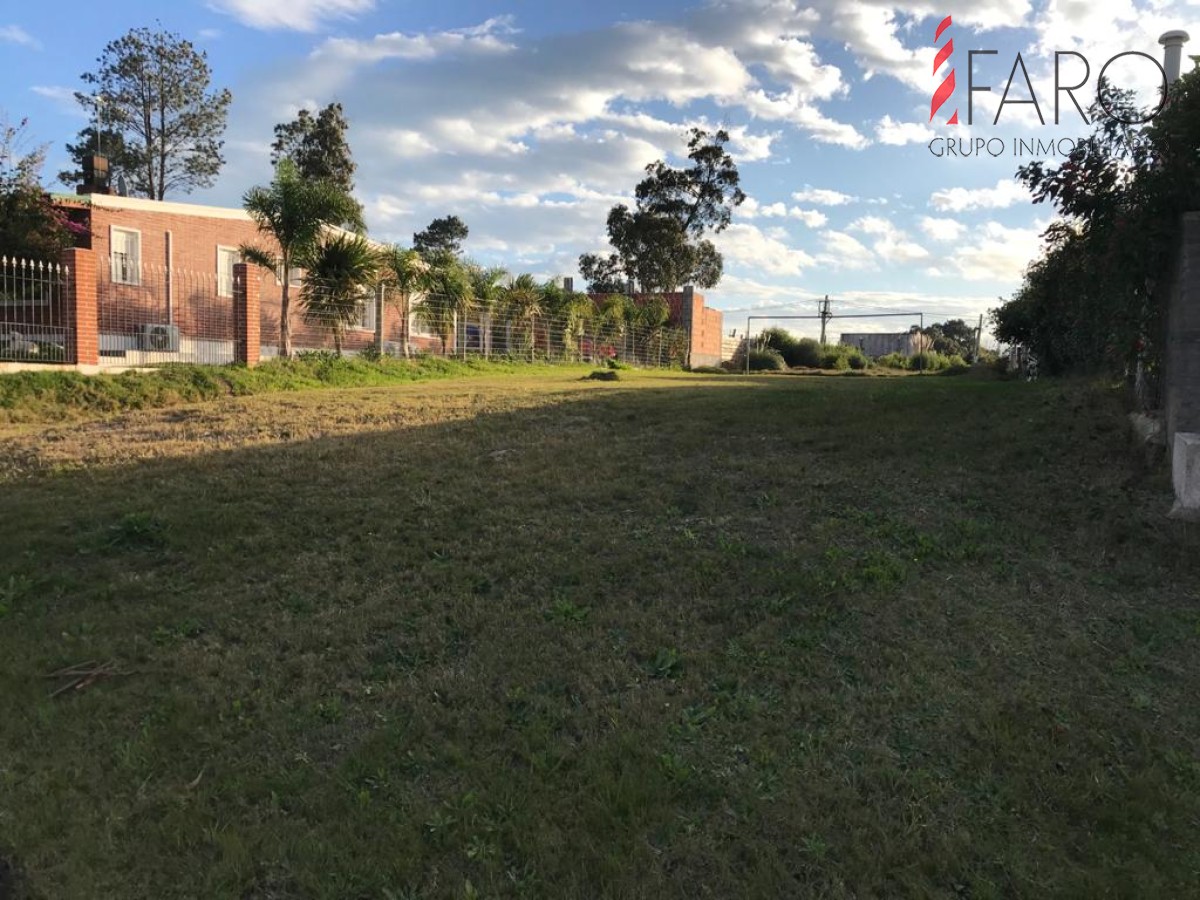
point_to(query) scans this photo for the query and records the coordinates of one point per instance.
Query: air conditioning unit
(159, 338)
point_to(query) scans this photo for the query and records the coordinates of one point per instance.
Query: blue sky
(529, 120)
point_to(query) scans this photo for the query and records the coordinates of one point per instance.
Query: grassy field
(676, 636)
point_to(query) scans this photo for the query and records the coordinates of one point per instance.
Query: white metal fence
(35, 324)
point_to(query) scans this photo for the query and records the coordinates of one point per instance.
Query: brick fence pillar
(246, 315)
(79, 307)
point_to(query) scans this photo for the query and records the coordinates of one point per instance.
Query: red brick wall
(194, 238)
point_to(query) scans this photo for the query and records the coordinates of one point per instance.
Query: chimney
(569, 285)
(95, 176)
(1172, 43)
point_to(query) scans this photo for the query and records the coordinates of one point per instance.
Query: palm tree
(407, 274)
(295, 212)
(487, 284)
(523, 303)
(449, 295)
(338, 272)
(613, 316)
(652, 316)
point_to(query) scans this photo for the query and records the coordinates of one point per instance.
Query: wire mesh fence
(149, 315)
(35, 324)
(578, 333)
(400, 325)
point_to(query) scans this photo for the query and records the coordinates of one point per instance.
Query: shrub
(893, 361)
(710, 370)
(834, 358)
(807, 353)
(602, 375)
(769, 360)
(779, 340)
(858, 359)
(613, 363)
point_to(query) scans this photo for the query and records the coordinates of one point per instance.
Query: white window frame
(296, 278)
(416, 326)
(225, 287)
(133, 273)
(366, 321)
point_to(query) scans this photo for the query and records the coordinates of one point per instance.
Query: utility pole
(826, 315)
(978, 338)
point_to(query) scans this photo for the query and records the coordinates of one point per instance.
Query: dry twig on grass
(82, 675)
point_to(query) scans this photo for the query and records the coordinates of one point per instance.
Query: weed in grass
(667, 663)
(565, 610)
(137, 531)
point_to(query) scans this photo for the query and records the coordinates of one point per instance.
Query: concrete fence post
(1181, 388)
(246, 315)
(80, 307)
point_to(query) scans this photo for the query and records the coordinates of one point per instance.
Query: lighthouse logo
(945, 90)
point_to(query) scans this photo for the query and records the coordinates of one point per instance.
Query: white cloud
(294, 15)
(995, 253)
(822, 196)
(891, 244)
(15, 34)
(761, 251)
(486, 37)
(1006, 193)
(942, 229)
(889, 131)
(842, 251)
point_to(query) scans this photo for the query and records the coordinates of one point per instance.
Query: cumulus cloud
(995, 253)
(761, 251)
(942, 229)
(822, 196)
(890, 243)
(888, 131)
(843, 251)
(1004, 194)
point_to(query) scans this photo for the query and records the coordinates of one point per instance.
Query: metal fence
(149, 315)
(438, 325)
(35, 323)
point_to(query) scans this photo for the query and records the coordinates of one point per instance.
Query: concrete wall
(1182, 358)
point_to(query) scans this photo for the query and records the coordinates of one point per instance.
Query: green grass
(39, 396)
(535, 636)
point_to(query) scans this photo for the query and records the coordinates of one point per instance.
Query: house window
(417, 326)
(126, 263)
(227, 258)
(295, 276)
(366, 318)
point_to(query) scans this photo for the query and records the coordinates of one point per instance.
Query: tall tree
(294, 212)
(111, 145)
(660, 243)
(152, 87)
(603, 274)
(444, 235)
(317, 145)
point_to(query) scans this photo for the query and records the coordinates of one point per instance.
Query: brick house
(167, 269)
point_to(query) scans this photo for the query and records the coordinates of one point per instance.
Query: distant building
(873, 344)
